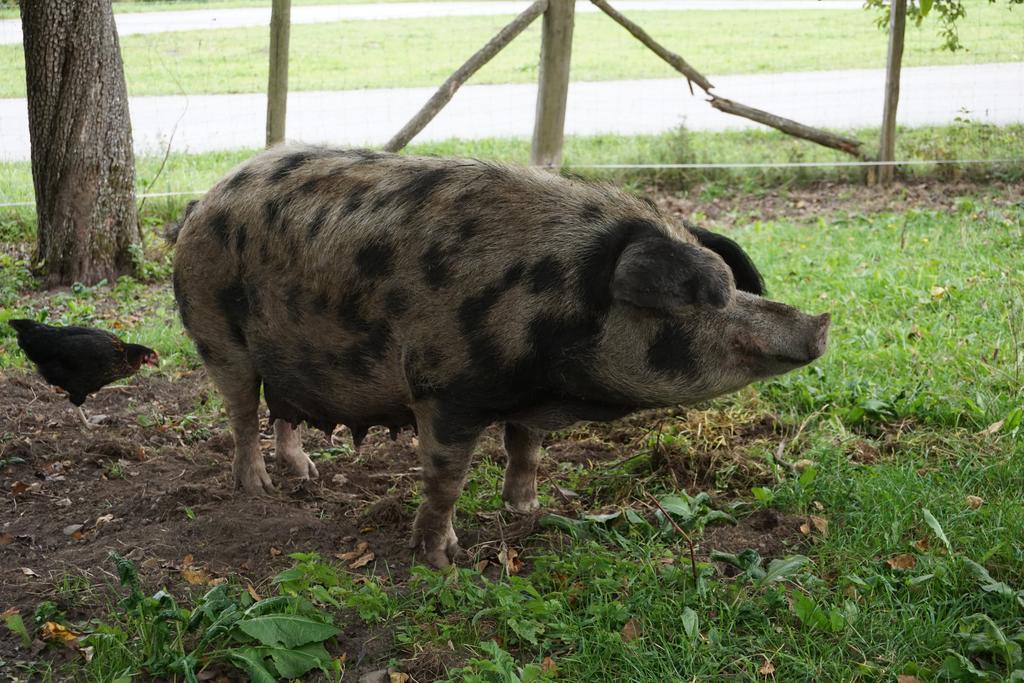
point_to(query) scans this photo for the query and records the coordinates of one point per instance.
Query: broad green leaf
(784, 568)
(561, 523)
(603, 518)
(937, 528)
(295, 662)
(286, 629)
(633, 517)
(249, 660)
(274, 604)
(676, 505)
(691, 623)
(959, 668)
(719, 516)
(808, 612)
(925, 7)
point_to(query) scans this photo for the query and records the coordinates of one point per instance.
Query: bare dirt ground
(153, 483)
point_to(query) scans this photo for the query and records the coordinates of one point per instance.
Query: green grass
(376, 54)
(198, 172)
(926, 352)
(133, 6)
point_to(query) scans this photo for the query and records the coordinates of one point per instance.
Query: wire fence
(356, 78)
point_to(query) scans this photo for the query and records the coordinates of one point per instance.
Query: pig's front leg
(444, 473)
(288, 447)
(520, 489)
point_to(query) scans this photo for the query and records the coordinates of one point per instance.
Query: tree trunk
(83, 168)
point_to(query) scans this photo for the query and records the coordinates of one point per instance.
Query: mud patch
(772, 534)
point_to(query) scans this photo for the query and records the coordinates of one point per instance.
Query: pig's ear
(661, 273)
(747, 277)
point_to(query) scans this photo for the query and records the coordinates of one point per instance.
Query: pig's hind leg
(288, 447)
(240, 386)
(520, 488)
(444, 472)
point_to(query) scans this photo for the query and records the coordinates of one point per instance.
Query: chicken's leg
(85, 421)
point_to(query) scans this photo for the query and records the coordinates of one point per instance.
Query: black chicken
(80, 360)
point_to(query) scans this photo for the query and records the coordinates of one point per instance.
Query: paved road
(159, 22)
(989, 93)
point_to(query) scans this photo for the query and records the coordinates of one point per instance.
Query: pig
(364, 288)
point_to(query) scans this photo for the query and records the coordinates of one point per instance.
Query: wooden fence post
(553, 83)
(277, 83)
(887, 147)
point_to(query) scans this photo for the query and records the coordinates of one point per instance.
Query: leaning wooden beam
(674, 60)
(848, 145)
(799, 130)
(455, 81)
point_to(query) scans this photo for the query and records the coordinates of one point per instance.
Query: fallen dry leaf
(252, 593)
(975, 502)
(196, 577)
(399, 677)
(767, 669)
(803, 464)
(509, 559)
(28, 572)
(353, 554)
(630, 630)
(104, 519)
(481, 565)
(938, 292)
(905, 678)
(362, 561)
(9, 612)
(53, 632)
(19, 487)
(548, 667)
(820, 523)
(274, 552)
(922, 545)
(903, 561)
(992, 428)
(6, 538)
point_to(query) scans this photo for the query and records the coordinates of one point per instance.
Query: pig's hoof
(437, 550)
(254, 480)
(301, 465)
(523, 507)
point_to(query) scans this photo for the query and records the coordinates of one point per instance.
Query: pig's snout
(777, 338)
(819, 338)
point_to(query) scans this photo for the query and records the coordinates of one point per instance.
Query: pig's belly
(301, 384)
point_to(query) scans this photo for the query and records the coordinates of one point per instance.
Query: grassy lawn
(197, 172)
(909, 468)
(131, 6)
(375, 54)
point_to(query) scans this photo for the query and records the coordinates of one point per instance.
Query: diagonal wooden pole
(447, 90)
(850, 146)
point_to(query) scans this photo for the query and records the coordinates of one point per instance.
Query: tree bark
(83, 168)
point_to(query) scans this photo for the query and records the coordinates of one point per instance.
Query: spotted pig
(362, 288)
